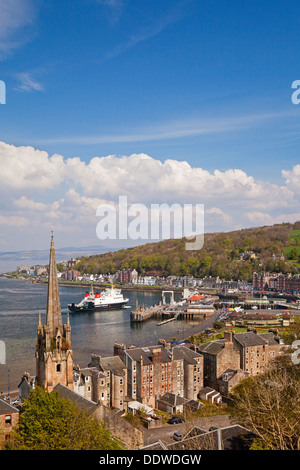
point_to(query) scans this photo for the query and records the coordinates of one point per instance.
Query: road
(165, 433)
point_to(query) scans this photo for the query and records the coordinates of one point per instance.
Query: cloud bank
(40, 192)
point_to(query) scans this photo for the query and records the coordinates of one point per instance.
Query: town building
(218, 356)
(9, 419)
(82, 382)
(150, 373)
(254, 350)
(109, 372)
(190, 366)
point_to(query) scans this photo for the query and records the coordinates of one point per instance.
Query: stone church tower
(54, 356)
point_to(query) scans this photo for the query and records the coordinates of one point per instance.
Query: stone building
(190, 364)
(82, 382)
(229, 379)
(150, 373)
(9, 418)
(218, 356)
(54, 356)
(256, 351)
(109, 377)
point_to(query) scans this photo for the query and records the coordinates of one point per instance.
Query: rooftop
(79, 400)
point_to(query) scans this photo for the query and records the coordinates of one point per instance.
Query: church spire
(53, 310)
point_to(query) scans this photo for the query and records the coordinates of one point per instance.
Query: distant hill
(10, 260)
(230, 255)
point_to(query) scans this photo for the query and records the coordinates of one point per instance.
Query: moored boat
(109, 299)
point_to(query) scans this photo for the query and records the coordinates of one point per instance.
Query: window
(8, 420)
(58, 368)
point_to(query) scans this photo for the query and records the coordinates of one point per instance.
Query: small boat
(109, 299)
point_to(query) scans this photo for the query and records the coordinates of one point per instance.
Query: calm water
(21, 301)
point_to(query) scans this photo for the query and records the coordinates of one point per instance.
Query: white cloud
(292, 178)
(13, 221)
(176, 129)
(29, 205)
(26, 167)
(217, 212)
(15, 17)
(27, 82)
(48, 192)
(262, 218)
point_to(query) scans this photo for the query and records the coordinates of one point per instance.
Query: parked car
(176, 420)
(177, 436)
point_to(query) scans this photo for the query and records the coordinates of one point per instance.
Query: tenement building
(155, 370)
(256, 351)
(109, 378)
(219, 356)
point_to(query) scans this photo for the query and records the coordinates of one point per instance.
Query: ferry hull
(92, 308)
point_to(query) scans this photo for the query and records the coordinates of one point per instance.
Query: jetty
(185, 309)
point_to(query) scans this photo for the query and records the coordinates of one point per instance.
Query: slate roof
(147, 354)
(158, 445)
(234, 437)
(79, 400)
(6, 408)
(212, 347)
(182, 352)
(114, 364)
(270, 338)
(250, 339)
(172, 399)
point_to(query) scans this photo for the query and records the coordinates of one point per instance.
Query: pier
(173, 311)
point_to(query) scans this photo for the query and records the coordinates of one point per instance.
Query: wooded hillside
(230, 255)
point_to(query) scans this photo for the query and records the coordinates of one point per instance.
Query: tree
(268, 405)
(49, 422)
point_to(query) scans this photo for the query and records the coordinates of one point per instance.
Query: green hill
(229, 255)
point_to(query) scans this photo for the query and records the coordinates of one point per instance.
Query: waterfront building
(54, 356)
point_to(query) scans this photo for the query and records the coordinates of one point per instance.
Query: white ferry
(109, 299)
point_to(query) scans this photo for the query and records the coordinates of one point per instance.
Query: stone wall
(120, 428)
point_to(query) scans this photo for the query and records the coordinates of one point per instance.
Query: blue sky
(202, 82)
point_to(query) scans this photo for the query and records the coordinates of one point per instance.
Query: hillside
(230, 255)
